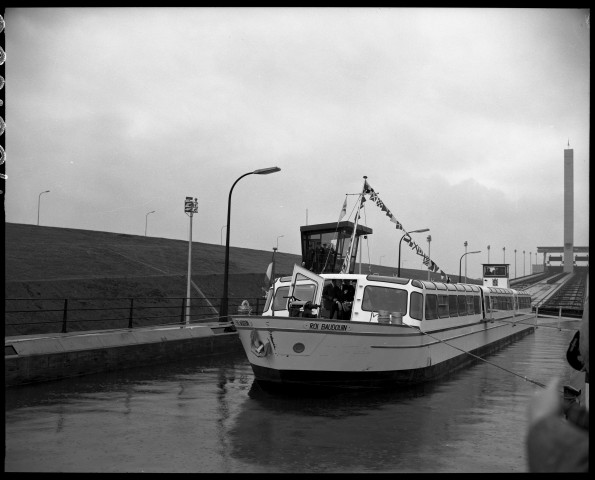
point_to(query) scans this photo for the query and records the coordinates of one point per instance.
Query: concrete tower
(568, 209)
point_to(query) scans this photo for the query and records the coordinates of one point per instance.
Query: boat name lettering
(338, 327)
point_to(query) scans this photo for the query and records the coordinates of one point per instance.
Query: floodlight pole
(190, 208)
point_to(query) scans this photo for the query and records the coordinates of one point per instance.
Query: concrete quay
(47, 357)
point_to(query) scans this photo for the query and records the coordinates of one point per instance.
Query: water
(210, 416)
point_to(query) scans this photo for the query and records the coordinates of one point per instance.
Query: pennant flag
(267, 275)
(343, 210)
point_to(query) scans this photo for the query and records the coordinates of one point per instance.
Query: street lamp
(222, 233)
(530, 266)
(524, 263)
(460, 260)
(404, 235)
(465, 244)
(38, 202)
(488, 254)
(278, 240)
(146, 219)
(515, 263)
(504, 254)
(429, 239)
(224, 301)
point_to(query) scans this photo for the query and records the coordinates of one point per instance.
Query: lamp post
(465, 244)
(278, 240)
(503, 254)
(488, 254)
(429, 239)
(222, 233)
(515, 263)
(224, 301)
(146, 220)
(38, 202)
(524, 263)
(464, 254)
(530, 266)
(404, 235)
(190, 207)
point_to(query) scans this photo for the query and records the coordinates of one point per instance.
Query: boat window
(470, 307)
(384, 298)
(416, 283)
(462, 301)
(429, 285)
(460, 287)
(443, 306)
(450, 286)
(280, 302)
(440, 285)
(415, 310)
(477, 304)
(453, 306)
(431, 307)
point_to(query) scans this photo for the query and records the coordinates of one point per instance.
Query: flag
(267, 275)
(343, 210)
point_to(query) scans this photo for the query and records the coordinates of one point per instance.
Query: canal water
(208, 415)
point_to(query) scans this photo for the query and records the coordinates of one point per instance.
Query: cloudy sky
(458, 117)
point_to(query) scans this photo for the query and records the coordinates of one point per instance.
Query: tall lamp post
(224, 301)
(515, 263)
(464, 254)
(465, 244)
(190, 207)
(524, 263)
(278, 240)
(38, 202)
(146, 220)
(530, 266)
(404, 235)
(429, 239)
(488, 254)
(503, 254)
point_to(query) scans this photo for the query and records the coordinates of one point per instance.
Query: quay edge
(41, 358)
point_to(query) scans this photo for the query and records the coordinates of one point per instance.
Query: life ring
(259, 348)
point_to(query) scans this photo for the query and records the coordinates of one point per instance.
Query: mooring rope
(524, 377)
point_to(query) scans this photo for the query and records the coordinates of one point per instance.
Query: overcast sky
(458, 117)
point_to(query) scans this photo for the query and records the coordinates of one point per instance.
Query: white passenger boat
(396, 332)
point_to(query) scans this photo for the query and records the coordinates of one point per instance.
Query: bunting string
(427, 261)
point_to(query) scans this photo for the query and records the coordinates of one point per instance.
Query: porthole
(299, 347)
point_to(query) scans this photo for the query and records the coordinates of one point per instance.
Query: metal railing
(26, 316)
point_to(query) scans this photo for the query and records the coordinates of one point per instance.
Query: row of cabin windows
(507, 303)
(444, 306)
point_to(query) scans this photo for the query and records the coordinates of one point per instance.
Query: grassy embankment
(65, 263)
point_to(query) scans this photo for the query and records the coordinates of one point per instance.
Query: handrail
(25, 316)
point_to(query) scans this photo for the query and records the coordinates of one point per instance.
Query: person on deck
(332, 297)
(348, 294)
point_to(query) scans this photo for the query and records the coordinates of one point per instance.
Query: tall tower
(568, 209)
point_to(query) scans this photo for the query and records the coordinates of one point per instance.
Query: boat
(395, 332)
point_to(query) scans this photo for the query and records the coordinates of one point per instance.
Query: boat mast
(347, 260)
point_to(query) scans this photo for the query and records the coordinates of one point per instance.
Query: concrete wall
(46, 359)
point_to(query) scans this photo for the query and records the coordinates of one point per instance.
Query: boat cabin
(325, 245)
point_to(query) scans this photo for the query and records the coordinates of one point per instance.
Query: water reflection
(208, 415)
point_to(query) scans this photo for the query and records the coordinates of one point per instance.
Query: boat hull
(327, 353)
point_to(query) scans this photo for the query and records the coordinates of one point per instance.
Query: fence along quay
(49, 339)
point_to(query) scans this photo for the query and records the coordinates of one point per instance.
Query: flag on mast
(343, 210)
